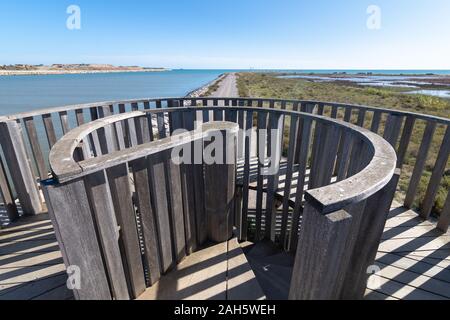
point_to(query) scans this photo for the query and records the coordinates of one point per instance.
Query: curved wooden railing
(309, 133)
(22, 140)
(92, 164)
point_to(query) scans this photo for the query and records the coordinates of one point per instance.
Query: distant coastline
(60, 69)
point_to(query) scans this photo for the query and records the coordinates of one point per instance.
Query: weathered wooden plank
(220, 188)
(6, 194)
(161, 125)
(79, 116)
(108, 230)
(376, 119)
(444, 219)
(347, 114)
(317, 147)
(18, 163)
(302, 164)
(49, 129)
(288, 179)
(276, 122)
(64, 118)
(158, 187)
(36, 147)
(436, 176)
(119, 184)
(334, 111)
(246, 176)
(361, 117)
(343, 157)
(188, 194)
(175, 199)
(321, 249)
(261, 132)
(71, 215)
(327, 157)
(369, 235)
(420, 163)
(392, 129)
(148, 217)
(404, 140)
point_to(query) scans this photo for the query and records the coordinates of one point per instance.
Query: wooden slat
(444, 219)
(317, 147)
(71, 215)
(347, 114)
(119, 185)
(404, 140)
(261, 153)
(392, 129)
(343, 157)
(334, 112)
(361, 117)
(108, 230)
(188, 194)
(327, 158)
(376, 119)
(6, 195)
(36, 147)
(49, 129)
(147, 218)
(246, 176)
(158, 187)
(288, 180)
(302, 164)
(436, 176)
(420, 163)
(175, 199)
(64, 118)
(18, 162)
(79, 115)
(276, 122)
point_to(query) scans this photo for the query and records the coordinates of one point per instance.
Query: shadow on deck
(413, 256)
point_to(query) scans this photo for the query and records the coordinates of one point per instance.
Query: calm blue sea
(23, 93)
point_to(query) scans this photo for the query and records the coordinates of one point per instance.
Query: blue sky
(296, 34)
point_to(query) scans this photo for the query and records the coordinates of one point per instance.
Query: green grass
(269, 86)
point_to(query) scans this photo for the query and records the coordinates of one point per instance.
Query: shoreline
(203, 89)
(7, 73)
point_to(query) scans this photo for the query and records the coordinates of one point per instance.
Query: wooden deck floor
(31, 265)
(413, 256)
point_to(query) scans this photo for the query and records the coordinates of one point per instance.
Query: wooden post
(420, 163)
(321, 248)
(366, 245)
(72, 220)
(6, 195)
(220, 188)
(18, 162)
(119, 184)
(438, 172)
(108, 231)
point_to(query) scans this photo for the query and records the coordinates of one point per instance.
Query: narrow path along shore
(227, 87)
